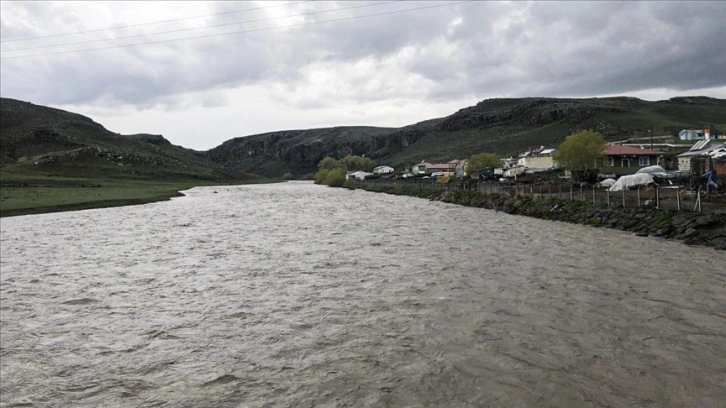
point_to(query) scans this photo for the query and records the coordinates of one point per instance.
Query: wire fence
(672, 198)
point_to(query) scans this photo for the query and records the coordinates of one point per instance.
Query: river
(296, 295)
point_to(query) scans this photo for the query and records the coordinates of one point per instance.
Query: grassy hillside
(54, 160)
(509, 126)
(501, 126)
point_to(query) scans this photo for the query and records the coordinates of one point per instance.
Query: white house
(537, 159)
(419, 169)
(383, 170)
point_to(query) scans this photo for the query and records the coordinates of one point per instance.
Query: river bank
(689, 228)
(57, 194)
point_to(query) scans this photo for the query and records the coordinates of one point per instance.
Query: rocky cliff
(502, 126)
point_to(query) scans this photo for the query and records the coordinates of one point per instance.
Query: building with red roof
(629, 156)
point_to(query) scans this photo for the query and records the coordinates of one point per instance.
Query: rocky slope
(502, 126)
(35, 138)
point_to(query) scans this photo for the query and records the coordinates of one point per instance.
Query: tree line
(331, 172)
(579, 153)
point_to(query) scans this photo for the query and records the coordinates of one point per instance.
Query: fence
(674, 198)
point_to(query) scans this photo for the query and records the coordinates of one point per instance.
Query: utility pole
(651, 136)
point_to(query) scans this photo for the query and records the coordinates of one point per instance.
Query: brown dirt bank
(690, 228)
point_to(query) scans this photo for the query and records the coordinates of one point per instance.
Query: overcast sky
(201, 73)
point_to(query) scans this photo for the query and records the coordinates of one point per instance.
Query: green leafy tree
(355, 163)
(335, 178)
(329, 163)
(320, 176)
(325, 166)
(580, 151)
(480, 163)
(331, 172)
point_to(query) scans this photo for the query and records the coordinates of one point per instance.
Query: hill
(53, 160)
(41, 140)
(38, 140)
(502, 126)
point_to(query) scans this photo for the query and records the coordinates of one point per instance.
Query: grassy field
(26, 193)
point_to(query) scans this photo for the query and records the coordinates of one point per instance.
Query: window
(644, 161)
(610, 161)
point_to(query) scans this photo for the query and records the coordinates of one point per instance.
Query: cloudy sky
(201, 73)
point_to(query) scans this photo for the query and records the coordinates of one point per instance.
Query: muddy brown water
(296, 295)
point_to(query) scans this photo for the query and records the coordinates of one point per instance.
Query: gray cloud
(453, 52)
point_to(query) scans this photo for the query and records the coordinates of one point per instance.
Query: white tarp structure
(655, 171)
(358, 175)
(608, 182)
(651, 170)
(626, 182)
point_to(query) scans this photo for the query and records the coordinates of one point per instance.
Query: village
(696, 160)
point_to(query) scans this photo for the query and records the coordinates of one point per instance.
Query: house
(430, 168)
(703, 148)
(439, 167)
(694, 134)
(383, 170)
(509, 168)
(629, 157)
(419, 169)
(539, 159)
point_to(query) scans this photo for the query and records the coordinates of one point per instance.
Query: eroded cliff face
(531, 112)
(301, 150)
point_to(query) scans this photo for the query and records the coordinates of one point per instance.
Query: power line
(198, 28)
(151, 23)
(236, 32)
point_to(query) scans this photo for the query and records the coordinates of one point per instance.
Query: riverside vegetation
(332, 172)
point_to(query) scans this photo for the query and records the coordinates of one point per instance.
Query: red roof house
(629, 156)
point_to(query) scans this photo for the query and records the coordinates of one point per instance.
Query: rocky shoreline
(689, 228)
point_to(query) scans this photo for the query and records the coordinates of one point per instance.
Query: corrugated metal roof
(700, 145)
(713, 151)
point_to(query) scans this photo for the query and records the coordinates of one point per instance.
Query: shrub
(320, 176)
(335, 178)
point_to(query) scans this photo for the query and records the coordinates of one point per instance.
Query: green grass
(35, 198)
(29, 193)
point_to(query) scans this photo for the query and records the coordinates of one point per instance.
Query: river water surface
(296, 295)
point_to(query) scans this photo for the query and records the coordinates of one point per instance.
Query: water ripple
(299, 295)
